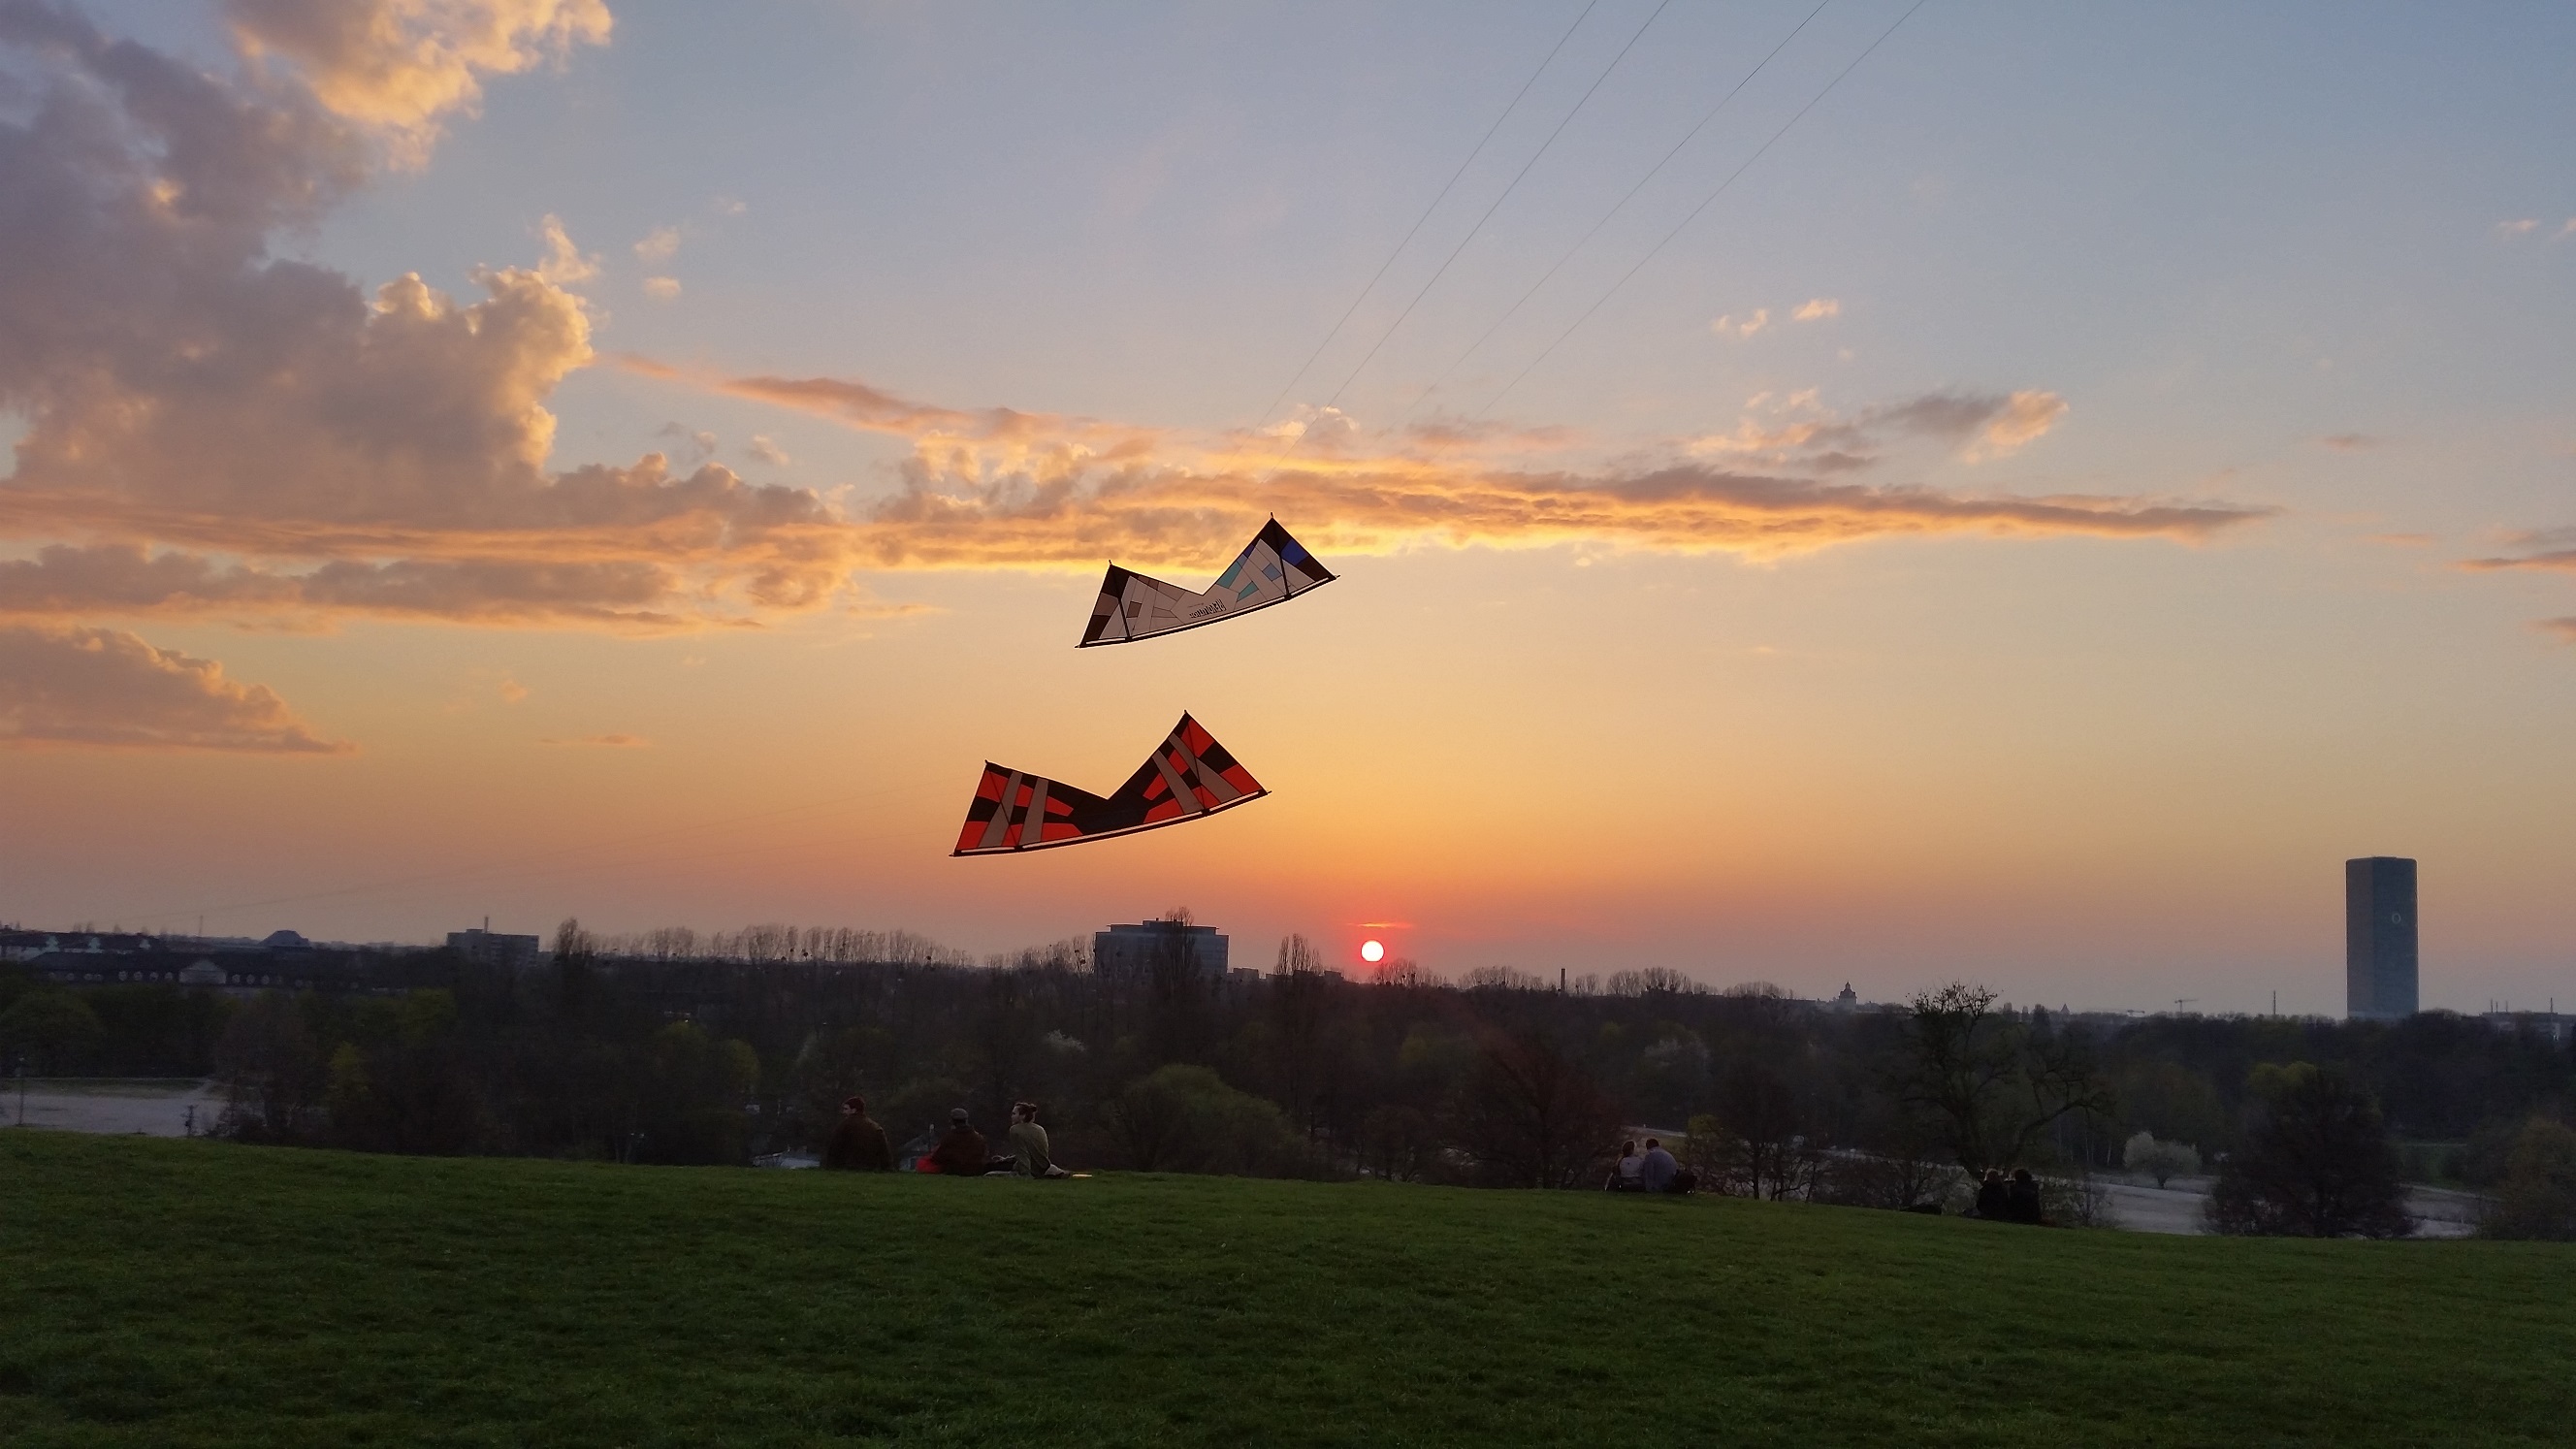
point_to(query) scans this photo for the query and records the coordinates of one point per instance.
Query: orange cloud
(400, 66)
(107, 688)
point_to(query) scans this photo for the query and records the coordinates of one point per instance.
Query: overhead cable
(1426, 211)
(1622, 203)
(1498, 201)
(1695, 211)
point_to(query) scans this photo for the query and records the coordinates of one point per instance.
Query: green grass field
(186, 1293)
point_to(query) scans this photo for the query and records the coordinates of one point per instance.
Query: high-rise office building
(1138, 949)
(2379, 937)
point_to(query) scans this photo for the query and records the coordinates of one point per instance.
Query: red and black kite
(1190, 777)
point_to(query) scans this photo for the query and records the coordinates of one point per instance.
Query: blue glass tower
(2379, 937)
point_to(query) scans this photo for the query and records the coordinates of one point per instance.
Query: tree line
(664, 1048)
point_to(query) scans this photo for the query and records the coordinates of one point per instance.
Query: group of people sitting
(2009, 1200)
(859, 1145)
(1650, 1170)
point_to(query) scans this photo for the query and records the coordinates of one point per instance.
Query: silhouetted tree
(2537, 1197)
(1531, 1115)
(1996, 1083)
(2316, 1162)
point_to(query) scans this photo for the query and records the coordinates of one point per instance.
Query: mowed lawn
(187, 1292)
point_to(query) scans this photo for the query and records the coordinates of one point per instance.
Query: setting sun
(1372, 952)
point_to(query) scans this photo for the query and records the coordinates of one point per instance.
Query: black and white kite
(1190, 777)
(1272, 569)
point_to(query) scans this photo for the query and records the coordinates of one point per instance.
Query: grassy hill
(185, 1293)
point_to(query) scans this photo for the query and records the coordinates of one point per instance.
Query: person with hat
(962, 1152)
(858, 1144)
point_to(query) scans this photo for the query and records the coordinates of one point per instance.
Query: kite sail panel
(1272, 569)
(1189, 777)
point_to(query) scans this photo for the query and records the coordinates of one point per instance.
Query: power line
(1622, 203)
(1380, 273)
(1498, 201)
(1703, 206)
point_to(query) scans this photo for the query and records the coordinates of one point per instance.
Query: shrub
(2317, 1163)
(1186, 1119)
(2537, 1198)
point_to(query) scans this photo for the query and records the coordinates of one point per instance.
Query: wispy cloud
(2352, 442)
(661, 289)
(1816, 309)
(1741, 325)
(603, 742)
(564, 263)
(659, 244)
(2509, 230)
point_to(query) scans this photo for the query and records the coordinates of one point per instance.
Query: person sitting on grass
(1993, 1202)
(1657, 1170)
(858, 1144)
(2021, 1198)
(1029, 1144)
(961, 1153)
(1625, 1177)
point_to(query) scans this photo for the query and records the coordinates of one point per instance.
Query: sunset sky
(2087, 474)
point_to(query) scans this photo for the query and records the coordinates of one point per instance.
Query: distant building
(1846, 999)
(1135, 950)
(2548, 1025)
(492, 948)
(2379, 938)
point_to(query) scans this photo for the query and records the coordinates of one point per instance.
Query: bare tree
(1996, 1084)
(1764, 1130)
(1531, 1114)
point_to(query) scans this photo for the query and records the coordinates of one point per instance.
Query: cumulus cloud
(764, 451)
(400, 67)
(1743, 326)
(658, 244)
(661, 289)
(107, 688)
(1816, 309)
(187, 397)
(214, 430)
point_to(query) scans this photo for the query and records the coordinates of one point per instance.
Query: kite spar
(1189, 776)
(1272, 569)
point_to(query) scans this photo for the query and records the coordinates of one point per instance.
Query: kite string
(1695, 211)
(1621, 205)
(1445, 189)
(1479, 227)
